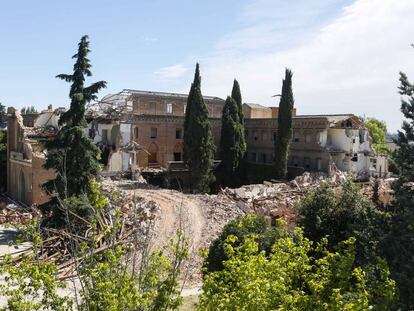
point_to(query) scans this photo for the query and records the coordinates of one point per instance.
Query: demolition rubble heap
(152, 211)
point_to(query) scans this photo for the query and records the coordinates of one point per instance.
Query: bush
(257, 226)
(288, 278)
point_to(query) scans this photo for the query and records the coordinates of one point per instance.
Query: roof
(257, 106)
(167, 94)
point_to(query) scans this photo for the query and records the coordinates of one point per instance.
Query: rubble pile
(11, 213)
(385, 189)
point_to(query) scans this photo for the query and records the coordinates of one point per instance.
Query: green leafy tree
(232, 145)
(236, 95)
(72, 154)
(323, 212)
(198, 140)
(2, 111)
(241, 227)
(290, 279)
(399, 246)
(3, 159)
(378, 131)
(284, 134)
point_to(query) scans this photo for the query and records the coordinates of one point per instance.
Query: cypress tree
(400, 246)
(284, 136)
(198, 141)
(232, 144)
(236, 95)
(72, 154)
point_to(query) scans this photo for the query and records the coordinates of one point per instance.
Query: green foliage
(378, 131)
(108, 283)
(289, 279)
(399, 244)
(32, 285)
(250, 225)
(232, 145)
(3, 160)
(72, 154)
(2, 109)
(198, 141)
(28, 110)
(236, 95)
(284, 134)
(342, 216)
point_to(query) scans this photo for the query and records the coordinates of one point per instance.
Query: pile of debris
(276, 200)
(11, 213)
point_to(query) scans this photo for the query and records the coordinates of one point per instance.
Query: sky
(345, 54)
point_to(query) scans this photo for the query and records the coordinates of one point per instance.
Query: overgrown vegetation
(284, 133)
(199, 146)
(289, 278)
(399, 243)
(118, 277)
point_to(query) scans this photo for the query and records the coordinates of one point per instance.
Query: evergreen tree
(72, 154)
(400, 246)
(198, 141)
(232, 144)
(284, 135)
(236, 95)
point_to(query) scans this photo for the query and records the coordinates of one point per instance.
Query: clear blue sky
(345, 53)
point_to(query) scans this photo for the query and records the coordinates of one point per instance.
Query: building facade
(138, 130)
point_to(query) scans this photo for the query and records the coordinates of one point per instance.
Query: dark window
(105, 136)
(177, 156)
(274, 136)
(135, 132)
(264, 157)
(178, 134)
(253, 156)
(153, 132)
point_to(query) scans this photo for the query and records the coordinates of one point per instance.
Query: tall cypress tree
(236, 95)
(284, 135)
(232, 144)
(400, 246)
(198, 141)
(72, 154)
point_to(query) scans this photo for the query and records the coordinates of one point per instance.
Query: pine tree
(232, 144)
(72, 154)
(198, 141)
(400, 246)
(284, 135)
(236, 95)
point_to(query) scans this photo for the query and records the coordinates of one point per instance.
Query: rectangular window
(308, 138)
(178, 134)
(153, 132)
(296, 137)
(135, 132)
(177, 156)
(253, 157)
(255, 135)
(104, 136)
(185, 107)
(169, 108)
(264, 157)
(274, 136)
(153, 107)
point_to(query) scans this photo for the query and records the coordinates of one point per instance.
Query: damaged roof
(167, 94)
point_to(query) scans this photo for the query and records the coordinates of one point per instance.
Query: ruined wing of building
(137, 129)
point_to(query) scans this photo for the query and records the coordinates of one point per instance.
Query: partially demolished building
(138, 130)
